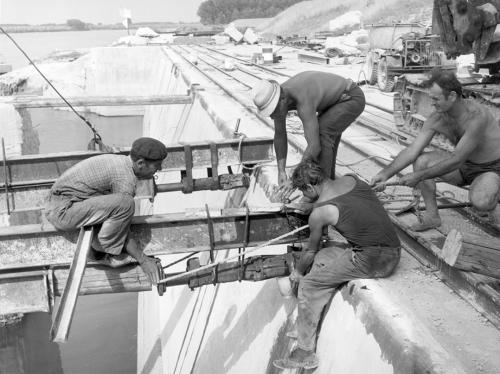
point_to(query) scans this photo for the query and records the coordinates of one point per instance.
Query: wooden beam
(85, 101)
(61, 325)
(472, 253)
(42, 244)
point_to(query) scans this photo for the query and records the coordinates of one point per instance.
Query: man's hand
(410, 180)
(378, 182)
(285, 189)
(149, 266)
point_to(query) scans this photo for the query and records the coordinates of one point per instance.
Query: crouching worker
(100, 191)
(373, 250)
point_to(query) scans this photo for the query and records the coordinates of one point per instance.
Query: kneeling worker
(100, 191)
(474, 131)
(349, 205)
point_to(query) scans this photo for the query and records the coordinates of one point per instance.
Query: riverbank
(156, 26)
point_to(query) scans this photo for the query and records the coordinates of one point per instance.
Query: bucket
(267, 54)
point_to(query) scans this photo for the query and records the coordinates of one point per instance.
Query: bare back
(478, 121)
(314, 89)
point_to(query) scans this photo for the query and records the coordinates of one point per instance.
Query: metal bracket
(212, 244)
(241, 259)
(194, 88)
(161, 287)
(210, 233)
(6, 182)
(187, 181)
(214, 158)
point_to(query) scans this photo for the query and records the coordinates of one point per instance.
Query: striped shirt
(98, 175)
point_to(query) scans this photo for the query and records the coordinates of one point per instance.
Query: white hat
(266, 95)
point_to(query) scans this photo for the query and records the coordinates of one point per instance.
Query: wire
(97, 137)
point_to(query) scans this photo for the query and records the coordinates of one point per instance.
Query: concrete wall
(226, 328)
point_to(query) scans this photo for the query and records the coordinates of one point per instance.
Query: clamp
(212, 244)
(6, 177)
(241, 258)
(187, 180)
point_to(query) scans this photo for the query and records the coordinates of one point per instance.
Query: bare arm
(319, 218)
(307, 114)
(409, 154)
(467, 144)
(280, 143)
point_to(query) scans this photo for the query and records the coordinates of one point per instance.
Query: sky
(97, 11)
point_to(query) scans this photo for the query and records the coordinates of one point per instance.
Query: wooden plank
(472, 253)
(86, 101)
(61, 325)
(41, 244)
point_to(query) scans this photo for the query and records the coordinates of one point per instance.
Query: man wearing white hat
(326, 104)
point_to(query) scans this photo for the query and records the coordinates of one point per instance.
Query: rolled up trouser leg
(114, 212)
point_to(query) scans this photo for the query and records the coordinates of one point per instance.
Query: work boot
(299, 358)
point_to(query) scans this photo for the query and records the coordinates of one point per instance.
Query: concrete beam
(50, 166)
(42, 245)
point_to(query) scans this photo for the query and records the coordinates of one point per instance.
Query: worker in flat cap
(326, 104)
(99, 191)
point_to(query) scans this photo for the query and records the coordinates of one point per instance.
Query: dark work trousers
(113, 212)
(333, 122)
(333, 266)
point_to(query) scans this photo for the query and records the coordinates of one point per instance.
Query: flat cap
(149, 149)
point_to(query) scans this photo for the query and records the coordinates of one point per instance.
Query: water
(63, 131)
(40, 44)
(103, 337)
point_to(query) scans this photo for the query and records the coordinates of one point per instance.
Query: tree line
(225, 11)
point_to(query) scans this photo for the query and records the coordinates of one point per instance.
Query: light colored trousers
(333, 266)
(112, 212)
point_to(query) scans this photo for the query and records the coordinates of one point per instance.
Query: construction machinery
(401, 48)
(464, 28)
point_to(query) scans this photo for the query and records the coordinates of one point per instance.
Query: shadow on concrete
(175, 316)
(221, 353)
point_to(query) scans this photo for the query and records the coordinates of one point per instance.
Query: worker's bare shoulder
(477, 115)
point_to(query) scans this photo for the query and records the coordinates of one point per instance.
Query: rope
(97, 137)
(216, 263)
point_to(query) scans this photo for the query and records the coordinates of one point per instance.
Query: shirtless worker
(326, 104)
(100, 191)
(373, 250)
(473, 130)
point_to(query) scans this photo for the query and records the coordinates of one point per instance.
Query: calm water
(40, 44)
(103, 336)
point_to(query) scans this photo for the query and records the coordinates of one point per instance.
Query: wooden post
(472, 253)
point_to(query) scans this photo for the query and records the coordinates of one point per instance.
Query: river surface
(40, 44)
(103, 336)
